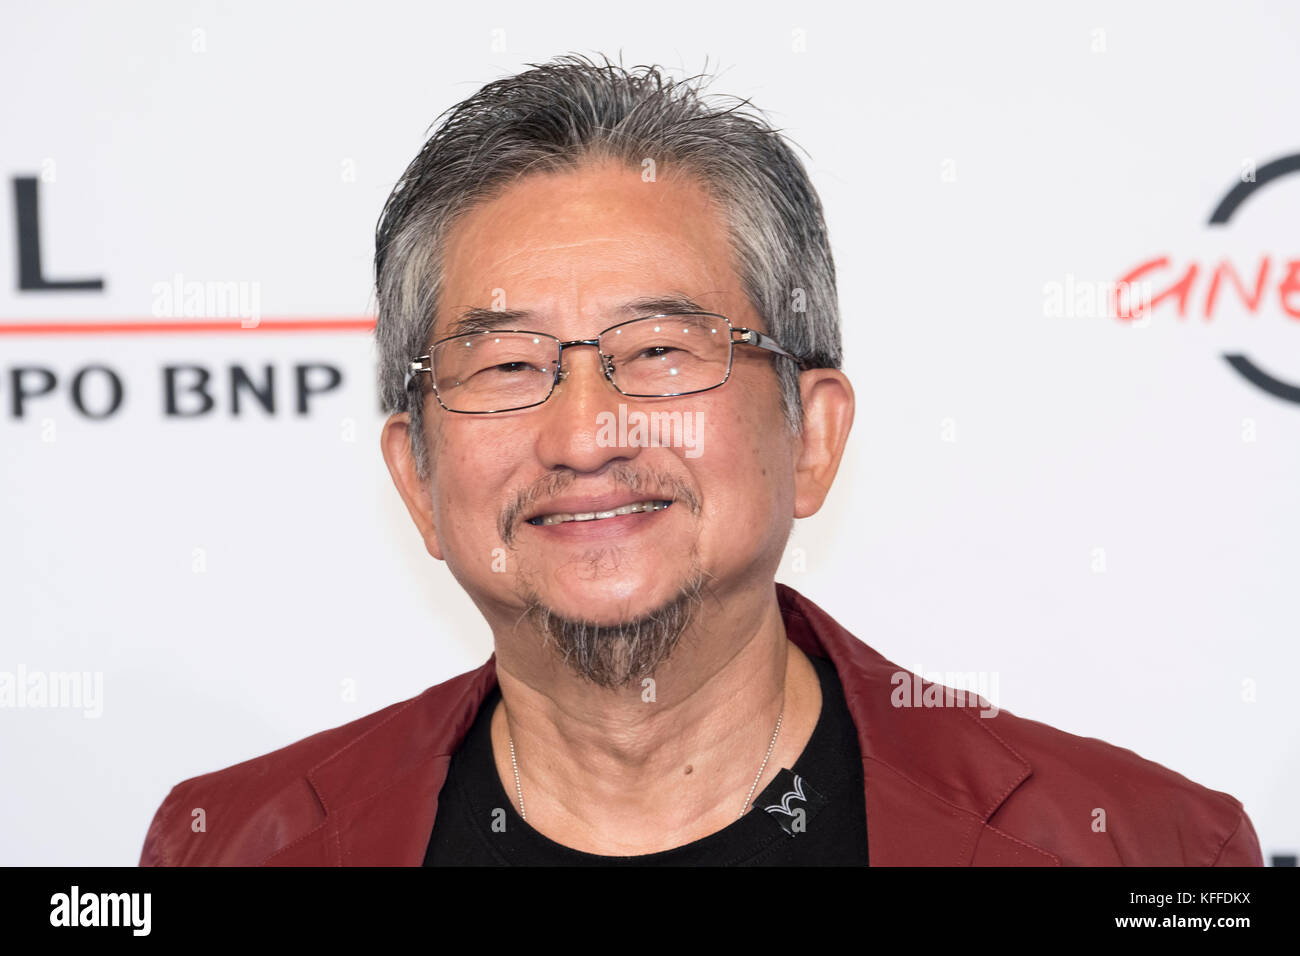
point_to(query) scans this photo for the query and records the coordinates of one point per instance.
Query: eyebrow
(487, 320)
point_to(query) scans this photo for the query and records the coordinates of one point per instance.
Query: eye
(506, 368)
(655, 351)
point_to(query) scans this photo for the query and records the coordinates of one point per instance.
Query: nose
(571, 433)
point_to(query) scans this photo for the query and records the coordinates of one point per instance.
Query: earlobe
(395, 443)
(827, 418)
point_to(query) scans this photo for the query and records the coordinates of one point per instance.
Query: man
(609, 336)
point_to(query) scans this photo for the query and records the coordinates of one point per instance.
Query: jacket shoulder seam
(1241, 816)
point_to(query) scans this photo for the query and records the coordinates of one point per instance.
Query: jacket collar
(933, 775)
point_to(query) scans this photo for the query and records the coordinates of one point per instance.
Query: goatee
(616, 655)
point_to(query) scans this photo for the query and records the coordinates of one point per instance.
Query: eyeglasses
(656, 356)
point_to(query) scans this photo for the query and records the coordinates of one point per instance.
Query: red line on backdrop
(156, 327)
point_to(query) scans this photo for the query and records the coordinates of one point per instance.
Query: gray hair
(560, 114)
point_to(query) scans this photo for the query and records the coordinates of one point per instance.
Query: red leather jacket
(944, 786)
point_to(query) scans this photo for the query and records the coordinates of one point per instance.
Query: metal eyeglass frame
(741, 336)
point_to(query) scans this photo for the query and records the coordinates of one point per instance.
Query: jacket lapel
(380, 792)
(933, 775)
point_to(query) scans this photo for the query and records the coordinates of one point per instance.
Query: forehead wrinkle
(632, 251)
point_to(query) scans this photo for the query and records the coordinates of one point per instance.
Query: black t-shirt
(813, 814)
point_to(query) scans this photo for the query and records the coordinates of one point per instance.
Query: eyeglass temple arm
(754, 337)
(421, 364)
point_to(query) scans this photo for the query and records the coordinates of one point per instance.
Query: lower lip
(603, 527)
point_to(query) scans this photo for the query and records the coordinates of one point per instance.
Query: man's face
(574, 249)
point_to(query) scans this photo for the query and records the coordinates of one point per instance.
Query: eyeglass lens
(658, 356)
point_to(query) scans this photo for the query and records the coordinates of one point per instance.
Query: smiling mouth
(562, 517)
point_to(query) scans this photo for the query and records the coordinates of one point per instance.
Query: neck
(638, 770)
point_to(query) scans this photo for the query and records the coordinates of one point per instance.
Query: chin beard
(616, 655)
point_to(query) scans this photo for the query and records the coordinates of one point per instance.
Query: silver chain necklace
(519, 790)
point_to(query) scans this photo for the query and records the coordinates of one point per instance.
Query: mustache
(653, 484)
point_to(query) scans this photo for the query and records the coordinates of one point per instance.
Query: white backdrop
(1101, 513)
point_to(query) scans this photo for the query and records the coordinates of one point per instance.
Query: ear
(395, 442)
(827, 417)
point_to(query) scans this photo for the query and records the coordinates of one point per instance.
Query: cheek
(750, 485)
(470, 471)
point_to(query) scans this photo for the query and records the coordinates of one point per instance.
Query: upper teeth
(560, 516)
